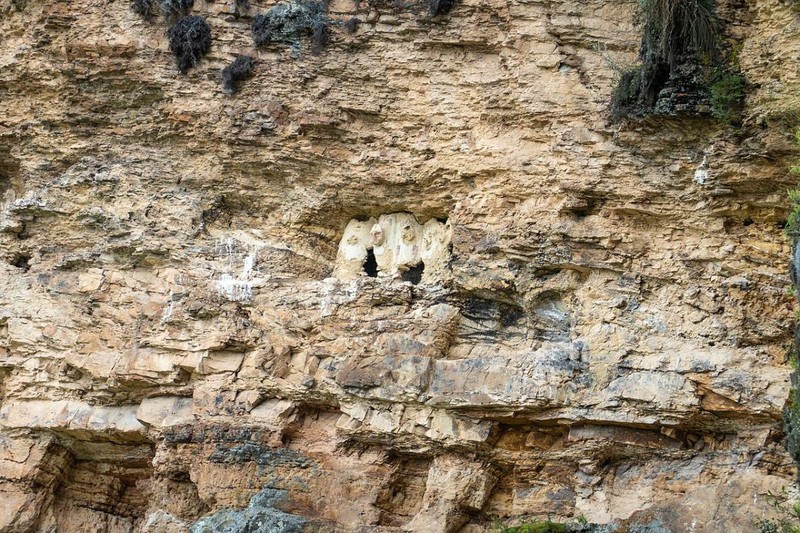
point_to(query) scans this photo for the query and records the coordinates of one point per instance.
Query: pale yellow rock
(273, 411)
(601, 326)
(453, 489)
(68, 415)
(164, 411)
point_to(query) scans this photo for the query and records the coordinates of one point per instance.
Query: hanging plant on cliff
(176, 8)
(171, 9)
(290, 22)
(680, 39)
(189, 40)
(673, 28)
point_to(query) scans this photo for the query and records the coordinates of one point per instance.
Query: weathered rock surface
(184, 343)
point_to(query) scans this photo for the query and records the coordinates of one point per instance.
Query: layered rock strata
(189, 336)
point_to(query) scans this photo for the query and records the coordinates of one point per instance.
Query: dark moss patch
(545, 526)
(432, 8)
(482, 309)
(189, 40)
(240, 69)
(9, 170)
(242, 8)
(439, 7)
(200, 433)
(625, 99)
(352, 24)
(260, 516)
(490, 320)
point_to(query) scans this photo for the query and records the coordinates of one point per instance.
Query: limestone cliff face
(601, 330)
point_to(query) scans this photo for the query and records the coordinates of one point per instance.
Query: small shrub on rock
(727, 94)
(144, 8)
(240, 69)
(189, 40)
(176, 8)
(289, 22)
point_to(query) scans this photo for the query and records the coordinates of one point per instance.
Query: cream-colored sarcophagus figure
(407, 247)
(384, 250)
(400, 250)
(353, 249)
(393, 245)
(436, 238)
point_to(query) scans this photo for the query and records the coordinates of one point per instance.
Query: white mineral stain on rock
(701, 174)
(168, 309)
(238, 286)
(333, 296)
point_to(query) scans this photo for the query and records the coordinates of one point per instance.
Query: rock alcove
(395, 246)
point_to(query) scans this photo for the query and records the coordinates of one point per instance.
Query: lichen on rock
(260, 516)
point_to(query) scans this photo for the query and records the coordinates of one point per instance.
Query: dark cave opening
(371, 265)
(414, 274)
(21, 261)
